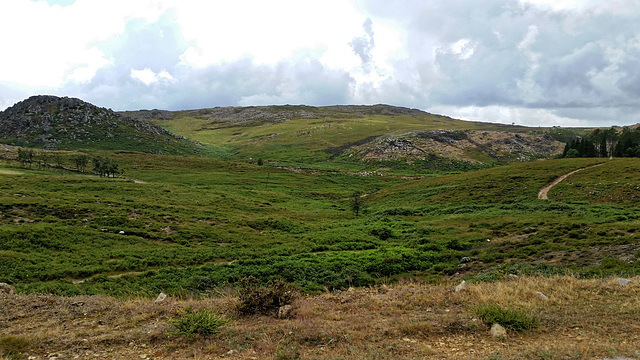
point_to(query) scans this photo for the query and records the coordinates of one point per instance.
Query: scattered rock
(161, 297)
(513, 277)
(462, 286)
(542, 296)
(623, 282)
(467, 259)
(285, 312)
(7, 289)
(498, 331)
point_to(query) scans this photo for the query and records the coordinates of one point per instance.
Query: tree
(42, 159)
(25, 157)
(357, 203)
(105, 166)
(81, 162)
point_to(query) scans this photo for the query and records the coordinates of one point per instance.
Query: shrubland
(187, 226)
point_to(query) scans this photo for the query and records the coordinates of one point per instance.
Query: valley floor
(581, 319)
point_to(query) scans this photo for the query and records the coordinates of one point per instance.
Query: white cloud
(50, 43)
(148, 77)
(267, 31)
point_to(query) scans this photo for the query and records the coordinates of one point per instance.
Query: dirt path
(543, 194)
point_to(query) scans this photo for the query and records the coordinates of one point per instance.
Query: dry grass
(583, 319)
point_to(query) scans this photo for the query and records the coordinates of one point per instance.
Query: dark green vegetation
(616, 142)
(198, 224)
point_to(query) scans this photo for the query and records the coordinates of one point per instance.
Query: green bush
(513, 319)
(202, 322)
(266, 300)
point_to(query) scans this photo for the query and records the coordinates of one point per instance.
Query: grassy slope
(198, 223)
(305, 142)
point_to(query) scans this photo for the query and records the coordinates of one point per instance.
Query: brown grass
(583, 319)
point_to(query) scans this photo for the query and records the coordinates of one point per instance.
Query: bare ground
(583, 319)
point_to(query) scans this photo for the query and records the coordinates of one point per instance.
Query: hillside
(374, 255)
(52, 122)
(378, 137)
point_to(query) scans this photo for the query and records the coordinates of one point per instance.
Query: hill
(378, 137)
(52, 122)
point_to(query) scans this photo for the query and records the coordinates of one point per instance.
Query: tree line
(605, 143)
(102, 165)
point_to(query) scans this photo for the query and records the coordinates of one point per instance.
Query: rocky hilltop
(474, 146)
(276, 113)
(53, 122)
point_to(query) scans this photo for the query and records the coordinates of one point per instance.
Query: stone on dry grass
(498, 331)
(623, 282)
(542, 296)
(462, 286)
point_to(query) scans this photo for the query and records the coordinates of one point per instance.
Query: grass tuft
(201, 322)
(517, 320)
(12, 347)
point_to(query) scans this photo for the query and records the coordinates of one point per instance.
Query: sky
(529, 62)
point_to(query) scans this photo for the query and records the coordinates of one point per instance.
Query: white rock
(513, 277)
(541, 296)
(623, 282)
(161, 297)
(498, 331)
(462, 286)
(121, 232)
(6, 288)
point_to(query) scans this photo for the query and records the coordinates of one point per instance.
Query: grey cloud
(573, 59)
(363, 45)
(229, 84)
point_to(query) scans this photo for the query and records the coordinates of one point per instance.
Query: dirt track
(543, 194)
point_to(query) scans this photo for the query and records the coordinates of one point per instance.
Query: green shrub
(513, 319)
(613, 263)
(202, 322)
(266, 300)
(13, 346)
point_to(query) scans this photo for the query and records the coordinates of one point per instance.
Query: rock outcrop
(53, 122)
(473, 146)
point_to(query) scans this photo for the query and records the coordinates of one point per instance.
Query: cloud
(501, 54)
(523, 61)
(363, 45)
(148, 77)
